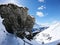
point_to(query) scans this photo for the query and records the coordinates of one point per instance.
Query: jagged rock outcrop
(16, 19)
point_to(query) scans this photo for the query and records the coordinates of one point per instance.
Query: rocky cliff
(16, 19)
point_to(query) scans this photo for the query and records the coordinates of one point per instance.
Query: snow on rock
(53, 43)
(7, 38)
(52, 34)
(27, 33)
(10, 39)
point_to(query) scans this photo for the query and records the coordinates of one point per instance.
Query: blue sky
(45, 11)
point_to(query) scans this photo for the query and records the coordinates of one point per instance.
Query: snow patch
(49, 35)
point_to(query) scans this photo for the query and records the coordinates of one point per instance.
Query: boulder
(16, 19)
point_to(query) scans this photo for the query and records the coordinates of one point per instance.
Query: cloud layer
(41, 0)
(10, 1)
(41, 7)
(40, 14)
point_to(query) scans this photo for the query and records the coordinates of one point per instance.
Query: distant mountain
(50, 36)
(39, 28)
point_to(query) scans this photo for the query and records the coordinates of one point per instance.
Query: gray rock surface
(16, 19)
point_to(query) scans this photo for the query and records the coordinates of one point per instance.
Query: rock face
(16, 19)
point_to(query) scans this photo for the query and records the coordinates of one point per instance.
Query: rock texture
(16, 19)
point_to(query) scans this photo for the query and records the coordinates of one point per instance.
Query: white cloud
(45, 24)
(51, 23)
(10, 1)
(41, 7)
(55, 21)
(40, 14)
(41, 0)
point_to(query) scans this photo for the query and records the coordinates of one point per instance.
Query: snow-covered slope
(10, 39)
(49, 35)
